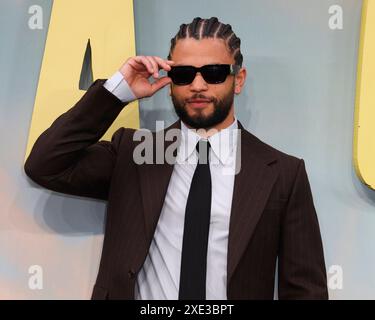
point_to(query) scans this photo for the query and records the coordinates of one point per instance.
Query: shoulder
(286, 166)
(261, 149)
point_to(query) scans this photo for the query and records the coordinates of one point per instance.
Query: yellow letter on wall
(110, 27)
(364, 126)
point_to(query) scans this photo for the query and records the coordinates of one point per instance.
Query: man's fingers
(155, 66)
(163, 63)
(158, 64)
(145, 62)
(160, 83)
(137, 69)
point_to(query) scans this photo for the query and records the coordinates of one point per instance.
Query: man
(218, 221)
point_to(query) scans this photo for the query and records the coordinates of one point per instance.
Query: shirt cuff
(118, 86)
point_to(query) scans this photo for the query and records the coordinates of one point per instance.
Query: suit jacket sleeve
(302, 273)
(68, 158)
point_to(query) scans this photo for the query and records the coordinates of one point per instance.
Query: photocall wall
(308, 93)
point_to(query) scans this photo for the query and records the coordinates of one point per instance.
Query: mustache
(200, 96)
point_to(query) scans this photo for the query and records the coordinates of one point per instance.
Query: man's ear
(240, 80)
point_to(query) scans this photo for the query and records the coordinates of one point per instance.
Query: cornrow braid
(209, 28)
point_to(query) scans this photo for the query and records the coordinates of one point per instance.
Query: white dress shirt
(160, 274)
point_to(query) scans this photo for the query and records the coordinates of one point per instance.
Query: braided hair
(210, 28)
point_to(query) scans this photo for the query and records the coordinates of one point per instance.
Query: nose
(198, 84)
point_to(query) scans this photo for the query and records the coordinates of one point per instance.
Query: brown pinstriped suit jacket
(273, 223)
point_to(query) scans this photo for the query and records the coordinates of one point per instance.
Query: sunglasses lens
(212, 74)
(182, 75)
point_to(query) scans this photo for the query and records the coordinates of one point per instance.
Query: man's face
(219, 104)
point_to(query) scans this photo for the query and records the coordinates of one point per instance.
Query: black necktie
(196, 228)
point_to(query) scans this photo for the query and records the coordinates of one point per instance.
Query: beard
(199, 120)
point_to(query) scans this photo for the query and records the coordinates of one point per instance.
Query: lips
(198, 103)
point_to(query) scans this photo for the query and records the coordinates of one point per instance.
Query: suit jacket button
(131, 274)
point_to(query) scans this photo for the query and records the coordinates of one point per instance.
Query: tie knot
(203, 150)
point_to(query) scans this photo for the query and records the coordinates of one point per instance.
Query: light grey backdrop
(299, 97)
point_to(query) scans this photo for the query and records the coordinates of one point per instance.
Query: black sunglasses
(212, 73)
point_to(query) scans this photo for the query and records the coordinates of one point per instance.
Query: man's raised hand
(137, 71)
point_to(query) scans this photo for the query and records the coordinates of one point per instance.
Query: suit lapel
(252, 187)
(154, 181)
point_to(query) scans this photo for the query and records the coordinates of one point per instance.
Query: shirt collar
(222, 143)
